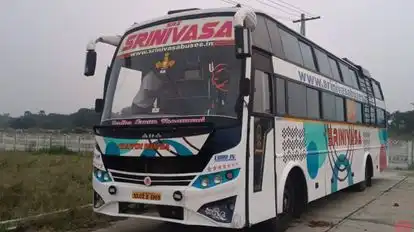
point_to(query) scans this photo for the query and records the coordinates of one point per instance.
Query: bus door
(262, 180)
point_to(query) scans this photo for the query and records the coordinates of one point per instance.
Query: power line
(287, 7)
(307, 12)
(302, 21)
(232, 2)
(277, 8)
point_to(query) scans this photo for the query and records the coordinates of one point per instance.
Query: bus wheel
(367, 182)
(369, 172)
(285, 218)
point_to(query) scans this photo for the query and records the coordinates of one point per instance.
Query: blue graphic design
(316, 147)
(112, 147)
(341, 163)
(317, 153)
(383, 136)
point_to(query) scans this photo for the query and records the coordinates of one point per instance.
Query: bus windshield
(196, 78)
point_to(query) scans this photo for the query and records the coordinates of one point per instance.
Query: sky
(43, 44)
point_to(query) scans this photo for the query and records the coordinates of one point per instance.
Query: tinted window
(334, 69)
(354, 78)
(323, 62)
(377, 91)
(280, 96)
(261, 35)
(312, 103)
(291, 47)
(358, 112)
(346, 75)
(373, 115)
(307, 56)
(381, 117)
(339, 108)
(275, 38)
(328, 106)
(353, 111)
(296, 99)
(261, 97)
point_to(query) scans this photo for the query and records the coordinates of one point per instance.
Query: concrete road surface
(388, 204)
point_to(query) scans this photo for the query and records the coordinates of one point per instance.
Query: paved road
(378, 209)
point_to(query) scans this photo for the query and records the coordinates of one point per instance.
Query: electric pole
(302, 21)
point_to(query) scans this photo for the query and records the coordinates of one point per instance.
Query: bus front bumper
(219, 206)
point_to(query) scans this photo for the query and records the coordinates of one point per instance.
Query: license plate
(147, 196)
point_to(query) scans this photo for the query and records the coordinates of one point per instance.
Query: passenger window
(334, 69)
(323, 63)
(291, 47)
(328, 106)
(275, 39)
(346, 75)
(312, 103)
(280, 96)
(373, 115)
(307, 56)
(261, 97)
(296, 99)
(339, 109)
(353, 111)
(354, 78)
(377, 91)
(381, 117)
(260, 35)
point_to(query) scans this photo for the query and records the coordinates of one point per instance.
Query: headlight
(204, 182)
(99, 174)
(102, 176)
(217, 179)
(213, 179)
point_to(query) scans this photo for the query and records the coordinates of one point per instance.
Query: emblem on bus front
(165, 64)
(147, 181)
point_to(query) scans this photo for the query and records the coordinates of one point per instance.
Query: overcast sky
(43, 44)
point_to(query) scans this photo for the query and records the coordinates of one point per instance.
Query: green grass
(32, 184)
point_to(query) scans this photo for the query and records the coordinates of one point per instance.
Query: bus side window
(261, 96)
(260, 35)
(280, 94)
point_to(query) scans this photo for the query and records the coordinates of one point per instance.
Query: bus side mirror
(245, 87)
(99, 104)
(242, 37)
(90, 63)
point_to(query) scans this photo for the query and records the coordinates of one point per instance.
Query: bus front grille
(156, 180)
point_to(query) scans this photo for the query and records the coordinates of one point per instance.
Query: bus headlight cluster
(102, 176)
(213, 179)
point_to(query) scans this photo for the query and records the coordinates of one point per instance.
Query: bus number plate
(147, 196)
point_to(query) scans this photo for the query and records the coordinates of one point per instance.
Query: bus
(227, 118)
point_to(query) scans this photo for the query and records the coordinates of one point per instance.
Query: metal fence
(401, 154)
(36, 142)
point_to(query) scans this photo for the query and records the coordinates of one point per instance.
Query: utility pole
(302, 21)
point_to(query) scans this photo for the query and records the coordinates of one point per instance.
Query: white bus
(227, 118)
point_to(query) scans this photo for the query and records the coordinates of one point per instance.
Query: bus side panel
(262, 205)
(345, 156)
(295, 147)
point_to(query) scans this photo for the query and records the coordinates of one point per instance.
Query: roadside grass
(79, 220)
(36, 183)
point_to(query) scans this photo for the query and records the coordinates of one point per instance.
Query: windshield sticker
(219, 76)
(162, 121)
(218, 29)
(165, 64)
(155, 108)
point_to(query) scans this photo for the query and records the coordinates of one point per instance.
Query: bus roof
(195, 11)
